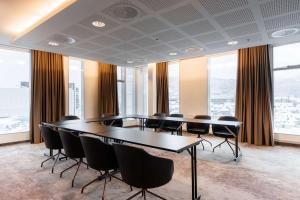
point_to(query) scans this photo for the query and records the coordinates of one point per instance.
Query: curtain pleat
(47, 91)
(162, 88)
(254, 95)
(108, 89)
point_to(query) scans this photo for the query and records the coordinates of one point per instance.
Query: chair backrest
(116, 122)
(149, 122)
(99, 155)
(222, 129)
(71, 143)
(205, 127)
(69, 117)
(50, 137)
(140, 169)
(173, 123)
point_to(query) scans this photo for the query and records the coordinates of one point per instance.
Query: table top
(166, 142)
(177, 119)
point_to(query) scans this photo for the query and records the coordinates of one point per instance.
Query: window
(287, 89)
(14, 91)
(130, 91)
(76, 88)
(121, 89)
(222, 84)
(173, 70)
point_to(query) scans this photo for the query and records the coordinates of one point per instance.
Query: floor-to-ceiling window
(173, 70)
(121, 89)
(76, 85)
(130, 91)
(222, 84)
(287, 89)
(14, 91)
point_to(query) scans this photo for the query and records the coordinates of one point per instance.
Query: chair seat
(170, 128)
(153, 125)
(224, 134)
(197, 131)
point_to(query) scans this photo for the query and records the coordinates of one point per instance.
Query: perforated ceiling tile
(145, 42)
(88, 46)
(74, 50)
(220, 6)
(210, 38)
(105, 41)
(93, 55)
(235, 18)
(184, 43)
(150, 25)
(108, 52)
(161, 48)
(169, 35)
(198, 28)
(126, 47)
(80, 32)
(156, 5)
(250, 39)
(125, 34)
(109, 24)
(242, 30)
(279, 7)
(217, 45)
(182, 15)
(140, 52)
(283, 21)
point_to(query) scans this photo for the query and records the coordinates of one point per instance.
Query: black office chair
(221, 131)
(69, 117)
(142, 170)
(154, 123)
(173, 126)
(73, 149)
(115, 122)
(52, 142)
(198, 128)
(100, 156)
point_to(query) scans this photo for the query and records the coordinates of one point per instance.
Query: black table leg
(236, 148)
(194, 173)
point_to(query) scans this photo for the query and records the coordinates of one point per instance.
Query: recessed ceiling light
(232, 42)
(70, 40)
(285, 32)
(130, 61)
(52, 43)
(172, 53)
(193, 49)
(98, 24)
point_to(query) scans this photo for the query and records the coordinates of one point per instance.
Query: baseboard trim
(12, 143)
(287, 144)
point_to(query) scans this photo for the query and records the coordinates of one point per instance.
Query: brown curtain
(254, 96)
(47, 91)
(162, 88)
(108, 89)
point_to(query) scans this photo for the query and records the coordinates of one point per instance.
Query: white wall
(91, 89)
(193, 85)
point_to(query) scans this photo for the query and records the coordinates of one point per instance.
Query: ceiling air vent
(123, 11)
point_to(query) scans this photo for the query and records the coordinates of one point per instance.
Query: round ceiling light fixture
(98, 24)
(130, 61)
(193, 49)
(173, 54)
(53, 43)
(232, 43)
(285, 32)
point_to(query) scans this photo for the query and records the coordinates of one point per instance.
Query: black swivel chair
(69, 117)
(53, 142)
(173, 126)
(221, 131)
(100, 156)
(154, 123)
(115, 122)
(198, 128)
(73, 149)
(142, 170)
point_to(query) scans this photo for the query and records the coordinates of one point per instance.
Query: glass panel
(287, 90)
(222, 85)
(14, 91)
(173, 70)
(76, 88)
(130, 91)
(121, 95)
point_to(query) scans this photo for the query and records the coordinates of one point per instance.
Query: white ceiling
(163, 26)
